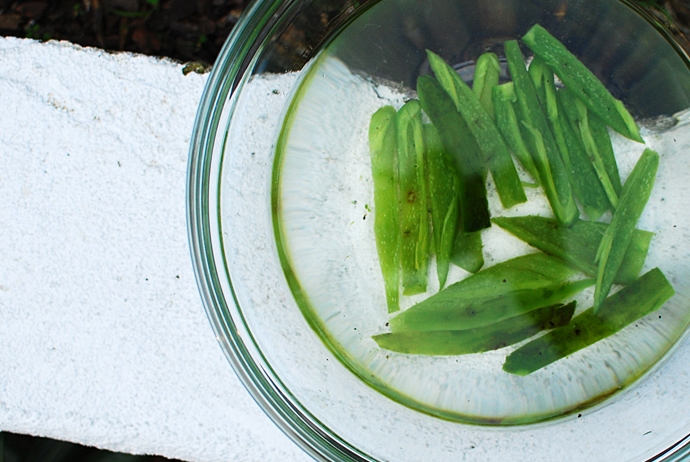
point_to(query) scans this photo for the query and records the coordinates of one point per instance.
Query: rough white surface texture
(103, 337)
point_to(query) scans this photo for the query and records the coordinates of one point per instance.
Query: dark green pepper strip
(507, 123)
(442, 313)
(382, 144)
(467, 251)
(526, 272)
(486, 74)
(546, 91)
(443, 197)
(577, 245)
(581, 81)
(626, 306)
(571, 154)
(484, 130)
(536, 72)
(602, 139)
(583, 178)
(480, 339)
(553, 175)
(614, 244)
(460, 144)
(531, 271)
(577, 114)
(414, 220)
(586, 184)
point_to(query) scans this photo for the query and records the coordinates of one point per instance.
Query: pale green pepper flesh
(414, 224)
(480, 339)
(382, 142)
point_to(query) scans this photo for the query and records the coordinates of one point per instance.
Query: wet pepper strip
(468, 251)
(480, 339)
(504, 99)
(486, 76)
(460, 144)
(584, 179)
(484, 130)
(382, 144)
(614, 244)
(443, 198)
(580, 80)
(578, 115)
(553, 175)
(441, 313)
(458, 306)
(414, 221)
(577, 245)
(626, 306)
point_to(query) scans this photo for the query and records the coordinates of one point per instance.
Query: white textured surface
(103, 338)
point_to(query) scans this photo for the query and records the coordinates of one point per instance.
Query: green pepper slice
(614, 245)
(484, 130)
(444, 189)
(626, 306)
(414, 221)
(553, 175)
(460, 144)
(580, 80)
(486, 76)
(577, 245)
(382, 144)
(480, 339)
(504, 99)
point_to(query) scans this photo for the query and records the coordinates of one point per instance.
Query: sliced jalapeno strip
(382, 144)
(580, 80)
(619, 310)
(414, 220)
(461, 145)
(480, 339)
(614, 244)
(484, 130)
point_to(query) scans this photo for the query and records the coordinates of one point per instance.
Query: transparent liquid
(323, 197)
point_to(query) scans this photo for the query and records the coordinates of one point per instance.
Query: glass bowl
(280, 212)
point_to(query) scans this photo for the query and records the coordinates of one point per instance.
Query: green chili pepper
(602, 139)
(484, 130)
(626, 306)
(580, 80)
(579, 119)
(577, 245)
(553, 175)
(586, 184)
(460, 144)
(445, 313)
(480, 339)
(507, 123)
(486, 74)
(614, 244)
(498, 284)
(414, 220)
(382, 144)
(536, 71)
(443, 199)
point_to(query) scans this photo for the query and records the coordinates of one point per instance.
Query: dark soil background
(185, 30)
